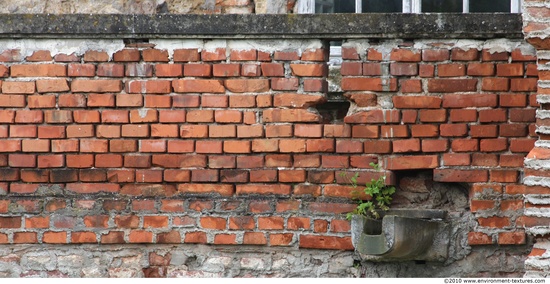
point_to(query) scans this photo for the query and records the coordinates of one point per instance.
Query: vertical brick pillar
(536, 217)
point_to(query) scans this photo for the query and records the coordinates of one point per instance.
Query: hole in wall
(417, 189)
(334, 109)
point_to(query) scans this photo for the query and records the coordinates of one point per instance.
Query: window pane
(481, 6)
(382, 6)
(442, 6)
(334, 6)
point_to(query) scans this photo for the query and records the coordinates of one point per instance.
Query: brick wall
(224, 145)
(536, 187)
(467, 113)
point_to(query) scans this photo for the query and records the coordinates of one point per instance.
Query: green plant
(380, 195)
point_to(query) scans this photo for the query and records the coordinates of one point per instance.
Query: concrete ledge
(326, 26)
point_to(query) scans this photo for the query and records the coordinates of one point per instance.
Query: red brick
(270, 223)
(404, 69)
(297, 100)
(483, 159)
(325, 242)
(335, 162)
(43, 101)
(197, 70)
(488, 55)
(467, 100)
(320, 145)
(494, 222)
(54, 237)
(80, 70)
(512, 238)
(452, 85)
(155, 55)
(113, 237)
(463, 115)
(456, 159)
(25, 238)
(278, 131)
(524, 85)
(99, 86)
(435, 145)
(263, 189)
(83, 237)
(493, 145)
(425, 130)
(374, 116)
(289, 115)
(369, 84)
(452, 175)
(195, 188)
(39, 55)
(22, 161)
(317, 54)
(92, 187)
(198, 86)
(416, 102)
(433, 115)
(458, 54)
(11, 55)
(101, 100)
(506, 176)
(484, 131)
(184, 146)
(286, 55)
(405, 55)
(110, 70)
(377, 146)
(353, 68)
(243, 55)
(140, 237)
(38, 70)
(453, 130)
(451, 70)
(149, 87)
(521, 145)
(127, 55)
(495, 84)
(284, 84)
(478, 238)
(522, 115)
(510, 70)
(186, 55)
(168, 70)
(465, 145)
(213, 55)
(350, 53)
(250, 70)
(481, 69)
(411, 162)
(307, 161)
(309, 70)
(372, 69)
(513, 100)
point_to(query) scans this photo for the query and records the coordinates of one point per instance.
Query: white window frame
(409, 6)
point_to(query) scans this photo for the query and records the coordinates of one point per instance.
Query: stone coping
(324, 26)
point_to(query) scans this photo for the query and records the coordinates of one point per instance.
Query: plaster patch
(542, 144)
(538, 199)
(543, 114)
(62, 46)
(537, 181)
(500, 45)
(537, 212)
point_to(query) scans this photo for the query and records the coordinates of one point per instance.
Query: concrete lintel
(325, 26)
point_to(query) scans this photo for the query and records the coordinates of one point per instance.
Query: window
(409, 6)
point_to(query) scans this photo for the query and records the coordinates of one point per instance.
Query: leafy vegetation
(380, 195)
